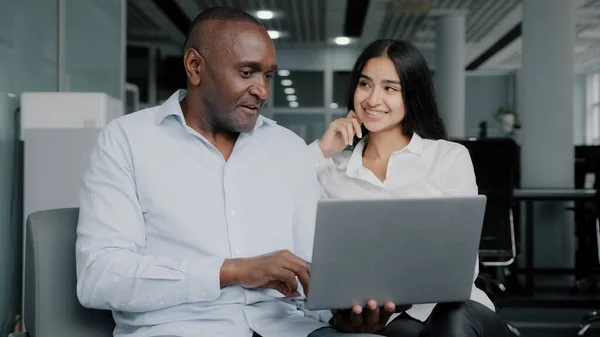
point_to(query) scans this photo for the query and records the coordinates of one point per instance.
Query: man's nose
(260, 90)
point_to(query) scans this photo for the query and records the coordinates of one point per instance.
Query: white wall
(579, 108)
(485, 94)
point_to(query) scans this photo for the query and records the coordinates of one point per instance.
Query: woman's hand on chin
(340, 134)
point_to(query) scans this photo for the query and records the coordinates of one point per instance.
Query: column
(547, 153)
(450, 71)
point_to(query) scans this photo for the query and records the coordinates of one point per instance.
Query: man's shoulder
(137, 118)
(133, 123)
(282, 135)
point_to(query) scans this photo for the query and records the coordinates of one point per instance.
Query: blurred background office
(518, 82)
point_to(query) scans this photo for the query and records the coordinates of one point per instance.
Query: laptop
(406, 251)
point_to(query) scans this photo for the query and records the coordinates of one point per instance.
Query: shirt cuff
(321, 163)
(204, 281)
(323, 316)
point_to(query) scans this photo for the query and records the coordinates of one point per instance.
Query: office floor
(553, 311)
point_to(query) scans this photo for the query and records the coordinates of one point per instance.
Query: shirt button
(238, 252)
(232, 212)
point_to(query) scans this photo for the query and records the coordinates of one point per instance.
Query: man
(195, 214)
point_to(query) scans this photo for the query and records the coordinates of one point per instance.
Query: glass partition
(93, 47)
(309, 126)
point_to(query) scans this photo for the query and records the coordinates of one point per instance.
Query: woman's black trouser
(465, 319)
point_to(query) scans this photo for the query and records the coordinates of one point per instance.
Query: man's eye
(246, 73)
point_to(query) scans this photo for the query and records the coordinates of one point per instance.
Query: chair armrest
(18, 334)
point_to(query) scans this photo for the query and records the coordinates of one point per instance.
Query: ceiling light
(283, 72)
(293, 104)
(286, 83)
(274, 34)
(292, 98)
(342, 40)
(334, 105)
(264, 15)
(289, 91)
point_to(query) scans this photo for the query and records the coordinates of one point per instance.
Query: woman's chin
(373, 127)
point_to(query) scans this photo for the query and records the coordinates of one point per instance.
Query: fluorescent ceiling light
(264, 15)
(292, 98)
(334, 105)
(342, 40)
(286, 82)
(289, 91)
(293, 104)
(274, 34)
(283, 72)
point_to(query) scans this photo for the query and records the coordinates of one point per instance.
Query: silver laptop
(406, 251)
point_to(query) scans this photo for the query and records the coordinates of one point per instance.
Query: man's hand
(370, 319)
(276, 270)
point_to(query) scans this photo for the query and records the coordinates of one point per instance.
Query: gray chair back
(51, 305)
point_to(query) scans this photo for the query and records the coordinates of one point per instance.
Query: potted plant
(509, 119)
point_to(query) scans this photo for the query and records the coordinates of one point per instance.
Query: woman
(401, 151)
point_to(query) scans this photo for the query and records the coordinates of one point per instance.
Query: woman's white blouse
(424, 168)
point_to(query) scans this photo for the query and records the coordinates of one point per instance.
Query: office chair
(590, 233)
(587, 265)
(495, 161)
(51, 305)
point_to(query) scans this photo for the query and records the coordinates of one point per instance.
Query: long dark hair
(422, 115)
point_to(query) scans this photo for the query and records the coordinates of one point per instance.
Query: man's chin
(247, 124)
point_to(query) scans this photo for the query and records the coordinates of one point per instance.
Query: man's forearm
(118, 279)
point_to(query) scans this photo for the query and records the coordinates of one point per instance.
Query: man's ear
(193, 63)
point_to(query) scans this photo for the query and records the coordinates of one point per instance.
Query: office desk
(531, 195)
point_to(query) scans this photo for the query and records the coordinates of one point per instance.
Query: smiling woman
(400, 151)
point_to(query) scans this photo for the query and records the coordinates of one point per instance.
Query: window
(292, 89)
(592, 119)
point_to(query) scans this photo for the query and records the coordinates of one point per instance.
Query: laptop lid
(406, 251)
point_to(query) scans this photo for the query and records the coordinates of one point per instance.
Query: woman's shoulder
(444, 148)
(342, 158)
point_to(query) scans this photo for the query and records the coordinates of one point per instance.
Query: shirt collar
(171, 107)
(355, 162)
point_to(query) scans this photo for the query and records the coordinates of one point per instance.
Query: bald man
(196, 214)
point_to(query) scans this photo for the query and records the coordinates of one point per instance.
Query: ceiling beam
(476, 50)
(154, 13)
(504, 41)
(356, 11)
(375, 14)
(336, 14)
(189, 7)
(177, 16)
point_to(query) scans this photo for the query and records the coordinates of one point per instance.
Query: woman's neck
(381, 145)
